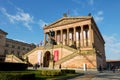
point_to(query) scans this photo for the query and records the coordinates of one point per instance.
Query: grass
(54, 77)
(39, 77)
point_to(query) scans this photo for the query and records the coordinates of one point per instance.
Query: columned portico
(81, 36)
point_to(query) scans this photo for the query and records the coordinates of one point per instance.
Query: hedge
(65, 71)
(50, 72)
(56, 72)
(7, 66)
(17, 76)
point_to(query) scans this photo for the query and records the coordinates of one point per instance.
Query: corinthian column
(74, 34)
(90, 35)
(61, 35)
(82, 40)
(44, 38)
(56, 36)
(67, 36)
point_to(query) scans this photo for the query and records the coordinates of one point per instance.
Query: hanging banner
(39, 56)
(56, 55)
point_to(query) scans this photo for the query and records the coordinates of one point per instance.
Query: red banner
(56, 56)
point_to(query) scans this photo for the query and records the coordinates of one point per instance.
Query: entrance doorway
(46, 59)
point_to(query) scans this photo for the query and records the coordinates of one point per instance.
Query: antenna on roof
(68, 12)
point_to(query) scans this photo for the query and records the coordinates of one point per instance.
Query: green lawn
(38, 76)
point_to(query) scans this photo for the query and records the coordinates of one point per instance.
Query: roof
(67, 20)
(16, 41)
(113, 61)
(3, 32)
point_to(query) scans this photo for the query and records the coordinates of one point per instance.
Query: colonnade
(81, 36)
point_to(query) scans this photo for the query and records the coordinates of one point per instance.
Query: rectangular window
(7, 45)
(23, 48)
(18, 47)
(13, 46)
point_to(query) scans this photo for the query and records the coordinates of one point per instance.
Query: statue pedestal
(51, 64)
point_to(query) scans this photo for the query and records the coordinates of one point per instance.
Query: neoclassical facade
(79, 44)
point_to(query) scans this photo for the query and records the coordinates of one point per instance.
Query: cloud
(112, 46)
(20, 17)
(99, 16)
(42, 23)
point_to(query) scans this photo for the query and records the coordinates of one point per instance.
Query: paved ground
(106, 75)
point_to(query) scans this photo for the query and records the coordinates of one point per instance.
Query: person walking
(113, 68)
(100, 68)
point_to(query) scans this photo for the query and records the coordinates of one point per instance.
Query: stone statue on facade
(51, 42)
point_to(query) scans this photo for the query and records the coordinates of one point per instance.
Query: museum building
(76, 43)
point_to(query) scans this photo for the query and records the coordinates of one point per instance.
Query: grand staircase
(13, 58)
(67, 58)
(37, 48)
(74, 54)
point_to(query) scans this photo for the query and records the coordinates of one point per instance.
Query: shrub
(7, 66)
(51, 72)
(48, 73)
(17, 76)
(64, 71)
(44, 72)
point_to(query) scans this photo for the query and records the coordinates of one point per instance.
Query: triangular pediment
(66, 20)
